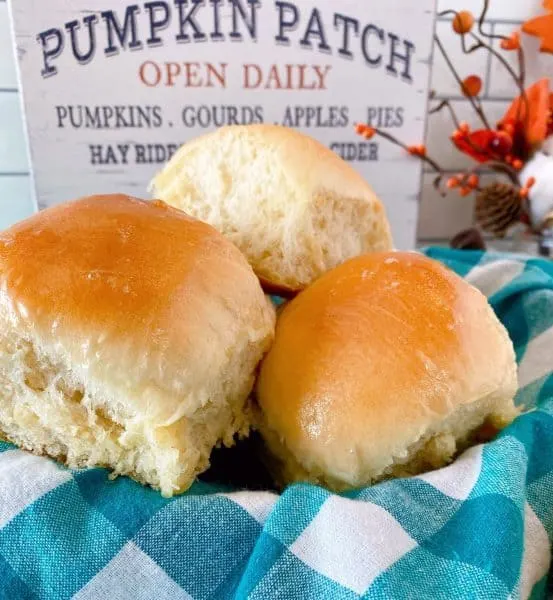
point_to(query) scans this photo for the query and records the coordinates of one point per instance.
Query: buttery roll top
(130, 336)
(385, 366)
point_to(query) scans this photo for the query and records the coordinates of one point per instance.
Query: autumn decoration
(518, 148)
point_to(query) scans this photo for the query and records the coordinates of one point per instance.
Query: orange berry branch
(504, 148)
(368, 132)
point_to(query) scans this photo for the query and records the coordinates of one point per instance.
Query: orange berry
(517, 164)
(369, 133)
(419, 150)
(464, 127)
(471, 86)
(457, 135)
(453, 182)
(530, 183)
(463, 22)
(465, 191)
(365, 130)
(523, 193)
(473, 181)
(512, 42)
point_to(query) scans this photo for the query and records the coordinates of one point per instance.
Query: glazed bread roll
(386, 366)
(129, 338)
(292, 206)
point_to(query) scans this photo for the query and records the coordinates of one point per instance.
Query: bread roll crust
(155, 317)
(287, 201)
(379, 358)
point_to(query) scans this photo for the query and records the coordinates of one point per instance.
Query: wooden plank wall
(15, 185)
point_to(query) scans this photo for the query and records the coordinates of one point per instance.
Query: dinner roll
(292, 206)
(386, 366)
(129, 337)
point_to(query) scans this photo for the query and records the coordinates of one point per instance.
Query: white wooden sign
(111, 89)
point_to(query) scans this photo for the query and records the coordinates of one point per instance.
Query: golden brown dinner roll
(385, 366)
(129, 337)
(289, 203)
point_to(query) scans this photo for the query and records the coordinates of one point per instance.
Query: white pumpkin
(541, 194)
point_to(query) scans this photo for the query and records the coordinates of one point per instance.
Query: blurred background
(439, 218)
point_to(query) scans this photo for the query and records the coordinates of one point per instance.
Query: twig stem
(423, 157)
(477, 109)
(446, 104)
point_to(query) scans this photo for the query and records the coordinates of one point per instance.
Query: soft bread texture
(388, 365)
(129, 338)
(292, 206)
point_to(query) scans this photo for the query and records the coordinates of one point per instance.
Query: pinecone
(468, 239)
(498, 207)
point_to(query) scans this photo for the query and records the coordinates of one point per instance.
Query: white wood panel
(16, 201)
(516, 10)
(8, 78)
(13, 153)
(442, 217)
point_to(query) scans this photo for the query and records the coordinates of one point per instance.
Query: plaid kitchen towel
(480, 528)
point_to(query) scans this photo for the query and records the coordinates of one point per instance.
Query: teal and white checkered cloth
(480, 528)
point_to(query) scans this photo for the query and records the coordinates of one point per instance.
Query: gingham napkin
(480, 528)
